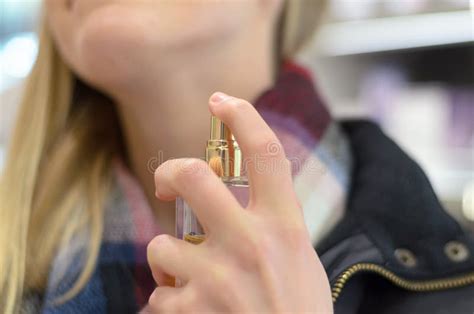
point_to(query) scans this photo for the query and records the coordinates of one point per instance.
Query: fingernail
(218, 97)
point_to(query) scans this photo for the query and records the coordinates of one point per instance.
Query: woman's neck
(164, 114)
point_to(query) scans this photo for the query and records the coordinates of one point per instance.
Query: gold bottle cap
(223, 152)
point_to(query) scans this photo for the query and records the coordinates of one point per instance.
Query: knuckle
(157, 171)
(294, 237)
(220, 274)
(191, 169)
(164, 166)
(156, 245)
(254, 251)
(159, 240)
(222, 281)
(152, 300)
(268, 145)
(285, 166)
(159, 301)
(268, 155)
(287, 163)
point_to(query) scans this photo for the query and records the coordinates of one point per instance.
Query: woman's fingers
(268, 169)
(169, 257)
(163, 300)
(213, 204)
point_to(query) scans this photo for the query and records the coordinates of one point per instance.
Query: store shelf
(396, 33)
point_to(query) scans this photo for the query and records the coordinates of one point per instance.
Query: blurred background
(407, 64)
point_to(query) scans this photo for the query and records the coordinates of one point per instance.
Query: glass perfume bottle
(224, 156)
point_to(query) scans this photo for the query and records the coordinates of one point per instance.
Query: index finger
(268, 169)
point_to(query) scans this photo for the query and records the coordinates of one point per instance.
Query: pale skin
(162, 62)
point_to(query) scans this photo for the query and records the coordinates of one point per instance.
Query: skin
(160, 61)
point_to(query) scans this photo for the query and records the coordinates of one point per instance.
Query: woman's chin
(115, 43)
(110, 46)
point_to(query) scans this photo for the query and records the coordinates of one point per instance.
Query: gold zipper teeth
(428, 285)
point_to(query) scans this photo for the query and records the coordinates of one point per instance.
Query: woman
(121, 86)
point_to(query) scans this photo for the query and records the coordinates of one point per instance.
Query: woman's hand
(258, 259)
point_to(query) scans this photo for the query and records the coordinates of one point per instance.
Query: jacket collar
(392, 204)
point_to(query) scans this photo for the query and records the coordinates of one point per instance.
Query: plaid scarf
(122, 282)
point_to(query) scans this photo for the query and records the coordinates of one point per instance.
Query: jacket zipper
(413, 285)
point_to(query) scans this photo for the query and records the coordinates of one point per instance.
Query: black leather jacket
(396, 250)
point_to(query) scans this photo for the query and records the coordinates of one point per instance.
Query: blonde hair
(299, 21)
(59, 160)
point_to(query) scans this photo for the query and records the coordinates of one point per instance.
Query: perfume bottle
(224, 156)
